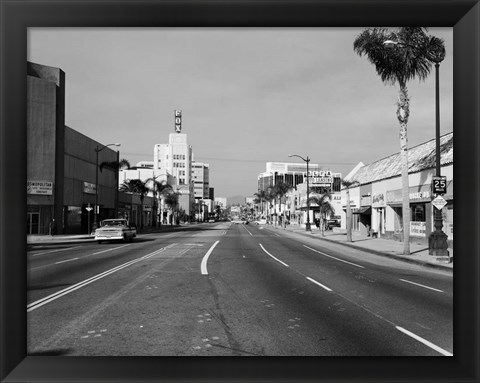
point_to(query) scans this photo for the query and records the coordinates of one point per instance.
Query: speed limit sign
(439, 185)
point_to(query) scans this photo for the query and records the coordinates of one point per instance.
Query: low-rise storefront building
(382, 182)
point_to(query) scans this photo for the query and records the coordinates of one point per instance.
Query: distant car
(242, 221)
(261, 221)
(211, 220)
(115, 230)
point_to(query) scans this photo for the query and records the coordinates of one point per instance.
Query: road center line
(424, 341)
(319, 284)
(418, 284)
(203, 265)
(67, 260)
(278, 260)
(35, 305)
(338, 259)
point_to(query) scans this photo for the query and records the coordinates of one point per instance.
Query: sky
(248, 95)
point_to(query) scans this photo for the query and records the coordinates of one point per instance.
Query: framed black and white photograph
(239, 191)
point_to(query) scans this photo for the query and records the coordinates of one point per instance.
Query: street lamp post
(437, 241)
(307, 160)
(98, 150)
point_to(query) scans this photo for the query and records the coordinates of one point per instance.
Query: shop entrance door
(33, 220)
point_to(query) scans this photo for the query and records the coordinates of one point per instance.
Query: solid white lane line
(338, 259)
(113, 248)
(34, 305)
(248, 231)
(319, 284)
(278, 260)
(54, 251)
(203, 265)
(425, 342)
(418, 284)
(67, 260)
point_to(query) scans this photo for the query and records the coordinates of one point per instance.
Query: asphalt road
(226, 289)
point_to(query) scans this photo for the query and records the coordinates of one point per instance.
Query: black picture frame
(17, 16)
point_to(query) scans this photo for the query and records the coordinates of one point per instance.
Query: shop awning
(363, 210)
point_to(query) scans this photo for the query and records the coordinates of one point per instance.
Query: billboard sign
(89, 188)
(40, 187)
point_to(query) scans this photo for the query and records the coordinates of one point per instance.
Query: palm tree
(409, 59)
(280, 189)
(260, 197)
(114, 165)
(325, 207)
(171, 199)
(269, 197)
(136, 186)
(159, 188)
(347, 184)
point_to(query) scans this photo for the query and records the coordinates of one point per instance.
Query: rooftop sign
(178, 121)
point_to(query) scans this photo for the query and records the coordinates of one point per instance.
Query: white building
(176, 158)
(201, 180)
(220, 201)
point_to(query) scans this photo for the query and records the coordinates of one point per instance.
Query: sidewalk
(380, 246)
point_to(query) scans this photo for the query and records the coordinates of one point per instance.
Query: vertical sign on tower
(178, 121)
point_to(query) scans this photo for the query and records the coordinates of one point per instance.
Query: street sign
(89, 208)
(439, 185)
(439, 202)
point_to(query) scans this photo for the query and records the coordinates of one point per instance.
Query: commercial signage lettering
(420, 195)
(395, 196)
(40, 187)
(320, 173)
(178, 121)
(418, 229)
(322, 180)
(89, 188)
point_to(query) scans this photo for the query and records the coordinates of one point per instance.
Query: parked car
(331, 223)
(115, 229)
(261, 221)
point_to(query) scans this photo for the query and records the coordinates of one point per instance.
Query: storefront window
(418, 212)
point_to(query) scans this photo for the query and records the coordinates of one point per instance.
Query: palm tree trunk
(402, 115)
(141, 212)
(349, 218)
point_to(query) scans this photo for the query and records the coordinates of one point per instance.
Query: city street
(218, 289)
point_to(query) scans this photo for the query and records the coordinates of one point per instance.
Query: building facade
(376, 199)
(295, 202)
(295, 173)
(176, 158)
(61, 162)
(201, 180)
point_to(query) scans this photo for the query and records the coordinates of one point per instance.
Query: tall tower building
(175, 158)
(201, 181)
